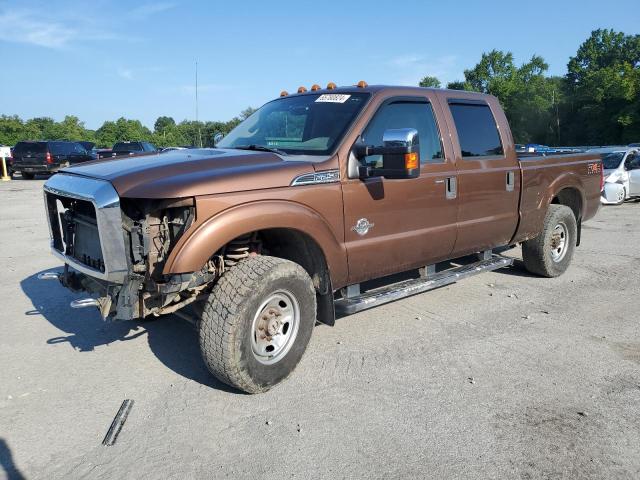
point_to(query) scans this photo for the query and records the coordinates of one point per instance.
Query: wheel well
(571, 198)
(302, 249)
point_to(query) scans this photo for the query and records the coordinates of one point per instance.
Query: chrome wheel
(275, 327)
(559, 242)
(621, 196)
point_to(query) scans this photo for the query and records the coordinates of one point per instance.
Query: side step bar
(396, 291)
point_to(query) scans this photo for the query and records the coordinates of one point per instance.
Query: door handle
(451, 188)
(440, 181)
(511, 181)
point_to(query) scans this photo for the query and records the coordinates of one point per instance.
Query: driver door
(392, 225)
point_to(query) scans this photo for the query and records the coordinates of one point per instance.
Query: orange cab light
(411, 160)
(331, 86)
(315, 87)
(284, 93)
(362, 84)
(301, 89)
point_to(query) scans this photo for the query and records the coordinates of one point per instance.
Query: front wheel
(257, 322)
(550, 253)
(621, 196)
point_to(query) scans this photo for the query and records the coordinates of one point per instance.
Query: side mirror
(400, 155)
(216, 138)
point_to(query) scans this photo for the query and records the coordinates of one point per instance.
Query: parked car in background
(30, 158)
(132, 148)
(622, 175)
(91, 148)
(104, 152)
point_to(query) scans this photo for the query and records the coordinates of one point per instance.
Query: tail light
(49, 159)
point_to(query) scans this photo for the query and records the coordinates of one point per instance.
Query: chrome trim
(400, 137)
(49, 276)
(107, 204)
(84, 303)
(325, 176)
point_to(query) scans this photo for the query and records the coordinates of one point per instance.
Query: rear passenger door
(488, 174)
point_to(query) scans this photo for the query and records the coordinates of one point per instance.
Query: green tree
(430, 82)
(603, 89)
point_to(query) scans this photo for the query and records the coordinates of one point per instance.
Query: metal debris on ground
(268, 422)
(118, 422)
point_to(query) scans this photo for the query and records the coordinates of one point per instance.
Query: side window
(477, 130)
(77, 148)
(57, 148)
(632, 162)
(405, 114)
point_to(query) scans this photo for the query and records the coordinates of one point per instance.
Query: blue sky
(103, 59)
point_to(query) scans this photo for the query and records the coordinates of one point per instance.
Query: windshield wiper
(260, 148)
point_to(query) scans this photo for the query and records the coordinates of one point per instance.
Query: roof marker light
(301, 89)
(284, 93)
(362, 84)
(331, 86)
(315, 87)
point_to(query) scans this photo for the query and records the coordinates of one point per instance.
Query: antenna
(197, 122)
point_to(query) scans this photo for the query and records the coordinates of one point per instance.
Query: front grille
(74, 230)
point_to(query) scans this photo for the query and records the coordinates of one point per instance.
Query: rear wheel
(27, 175)
(257, 322)
(550, 253)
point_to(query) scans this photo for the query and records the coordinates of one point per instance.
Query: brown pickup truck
(322, 202)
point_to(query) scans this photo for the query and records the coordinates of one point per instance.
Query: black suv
(132, 148)
(30, 158)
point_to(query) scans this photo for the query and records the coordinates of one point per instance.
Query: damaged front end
(115, 249)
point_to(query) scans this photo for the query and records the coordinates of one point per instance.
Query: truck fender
(194, 249)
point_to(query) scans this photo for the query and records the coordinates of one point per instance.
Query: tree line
(596, 103)
(166, 132)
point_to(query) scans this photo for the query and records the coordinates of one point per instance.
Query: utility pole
(555, 105)
(197, 121)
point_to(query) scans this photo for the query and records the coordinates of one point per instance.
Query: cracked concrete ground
(504, 375)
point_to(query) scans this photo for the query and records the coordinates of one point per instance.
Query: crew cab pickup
(295, 212)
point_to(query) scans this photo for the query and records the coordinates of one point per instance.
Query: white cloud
(26, 27)
(148, 9)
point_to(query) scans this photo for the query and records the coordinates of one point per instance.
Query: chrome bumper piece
(106, 202)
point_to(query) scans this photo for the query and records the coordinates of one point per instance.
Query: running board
(382, 295)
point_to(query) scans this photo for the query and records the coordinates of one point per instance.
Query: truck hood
(193, 172)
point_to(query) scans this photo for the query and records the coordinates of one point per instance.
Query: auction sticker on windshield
(333, 98)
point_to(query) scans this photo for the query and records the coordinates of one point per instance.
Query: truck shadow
(172, 340)
(6, 462)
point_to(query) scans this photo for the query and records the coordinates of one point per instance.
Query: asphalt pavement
(503, 375)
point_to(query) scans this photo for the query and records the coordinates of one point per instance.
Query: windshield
(306, 124)
(612, 161)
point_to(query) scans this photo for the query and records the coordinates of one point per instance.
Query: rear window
(127, 147)
(477, 130)
(23, 148)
